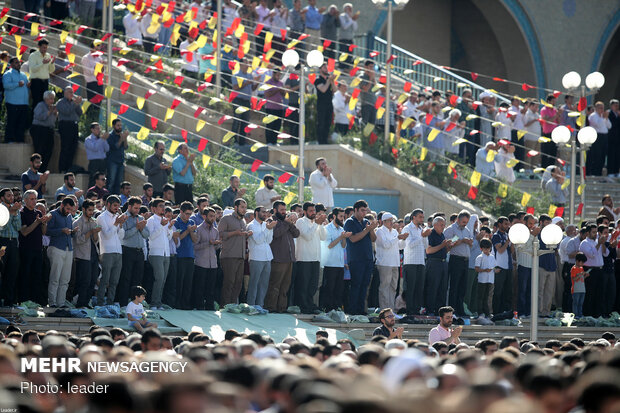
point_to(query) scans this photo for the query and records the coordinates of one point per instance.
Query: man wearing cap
(389, 242)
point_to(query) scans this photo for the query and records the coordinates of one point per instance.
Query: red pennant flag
(475, 131)
(428, 119)
(154, 122)
(391, 59)
(179, 80)
(352, 47)
(29, 15)
(283, 34)
(231, 65)
(559, 211)
(232, 96)
(68, 47)
(331, 64)
(198, 111)
(236, 22)
(454, 174)
(75, 88)
(250, 127)
(395, 152)
(266, 47)
(168, 23)
(562, 161)
(579, 209)
(407, 87)
(150, 93)
(382, 79)
(254, 102)
(81, 29)
(175, 103)
(106, 37)
(159, 46)
(312, 77)
(13, 30)
(373, 54)
(288, 111)
(284, 177)
(122, 61)
(583, 104)
(474, 76)
(293, 76)
(451, 126)
(180, 18)
(223, 119)
(100, 78)
(184, 134)
(373, 138)
(193, 32)
(124, 87)
(351, 122)
(202, 87)
(171, 6)
(379, 102)
(261, 103)
(454, 99)
(303, 36)
(556, 93)
(96, 99)
(355, 94)
(417, 62)
(159, 10)
(55, 22)
(159, 65)
(258, 29)
(532, 153)
(530, 210)
(353, 71)
(326, 44)
(527, 87)
(473, 192)
(499, 79)
(123, 109)
(4, 12)
(256, 164)
(23, 49)
(202, 144)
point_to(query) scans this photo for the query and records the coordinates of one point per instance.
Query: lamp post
(218, 53)
(400, 4)
(586, 137)
(290, 59)
(572, 81)
(551, 235)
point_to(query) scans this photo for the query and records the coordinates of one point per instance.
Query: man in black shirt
(437, 266)
(388, 319)
(325, 85)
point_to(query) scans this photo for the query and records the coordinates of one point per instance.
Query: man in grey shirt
(157, 170)
(329, 30)
(367, 96)
(69, 113)
(133, 254)
(458, 264)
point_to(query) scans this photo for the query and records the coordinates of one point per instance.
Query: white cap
(484, 94)
(387, 216)
(556, 220)
(227, 211)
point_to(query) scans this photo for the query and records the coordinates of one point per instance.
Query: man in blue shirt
(360, 255)
(314, 18)
(96, 148)
(116, 155)
(183, 171)
(332, 259)
(16, 96)
(69, 188)
(186, 228)
(33, 179)
(60, 252)
(242, 83)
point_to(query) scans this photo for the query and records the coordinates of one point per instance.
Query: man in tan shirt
(233, 233)
(40, 65)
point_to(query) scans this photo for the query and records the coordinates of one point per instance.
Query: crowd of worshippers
(251, 372)
(91, 247)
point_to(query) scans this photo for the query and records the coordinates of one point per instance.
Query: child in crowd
(578, 286)
(485, 266)
(135, 311)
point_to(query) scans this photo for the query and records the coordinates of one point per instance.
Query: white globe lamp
(595, 80)
(315, 58)
(561, 134)
(519, 234)
(290, 58)
(587, 135)
(571, 80)
(551, 235)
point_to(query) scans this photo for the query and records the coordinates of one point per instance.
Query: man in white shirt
(566, 264)
(93, 88)
(594, 248)
(149, 35)
(308, 256)
(112, 232)
(348, 29)
(340, 102)
(160, 234)
(131, 23)
(332, 260)
(322, 182)
(189, 66)
(414, 261)
(266, 195)
(597, 154)
(260, 256)
(531, 124)
(387, 247)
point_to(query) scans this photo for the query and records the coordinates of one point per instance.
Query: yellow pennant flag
(502, 191)
(108, 91)
(375, 88)
(343, 57)
(140, 102)
(525, 199)
(292, 44)
(471, 117)
(268, 37)
(125, 50)
(581, 120)
(192, 47)
(74, 74)
(256, 146)
(289, 198)
(368, 129)
(474, 180)
(355, 82)
(451, 167)
(512, 163)
(459, 141)
(200, 124)
(228, 136)
(205, 160)
(565, 184)
(269, 118)
(128, 76)
(352, 104)
(169, 114)
(357, 61)
(539, 170)
(337, 74)
(521, 134)
(85, 106)
(34, 29)
(544, 103)
(18, 41)
(294, 160)
(255, 63)
(98, 68)
(491, 155)
(543, 139)
(320, 49)
(212, 22)
(552, 209)
(202, 40)
(71, 57)
(237, 173)
(246, 49)
(423, 153)
(406, 123)
(173, 147)
(580, 188)
(270, 54)
(402, 98)
(113, 116)
(143, 133)
(239, 81)
(241, 109)
(433, 134)
(497, 124)
(214, 100)
(239, 31)
(380, 112)
(63, 36)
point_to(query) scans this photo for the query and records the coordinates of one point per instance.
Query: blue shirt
(59, 239)
(115, 154)
(96, 148)
(502, 238)
(13, 93)
(124, 199)
(437, 143)
(197, 218)
(186, 246)
(177, 166)
(332, 257)
(313, 19)
(64, 190)
(547, 261)
(246, 90)
(31, 178)
(362, 249)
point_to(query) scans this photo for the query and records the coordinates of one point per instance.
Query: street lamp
(551, 235)
(571, 82)
(290, 59)
(586, 137)
(400, 4)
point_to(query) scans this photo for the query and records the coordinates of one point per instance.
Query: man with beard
(110, 248)
(594, 248)
(233, 232)
(323, 183)
(283, 249)
(260, 255)
(60, 252)
(608, 209)
(266, 196)
(186, 229)
(332, 258)
(69, 113)
(205, 264)
(414, 261)
(160, 234)
(85, 253)
(157, 169)
(32, 178)
(8, 240)
(69, 188)
(233, 192)
(116, 155)
(443, 332)
(325, 85)
(386, 329)
(135, 232)
(308, 256)
(97, 147)
(524, 267)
